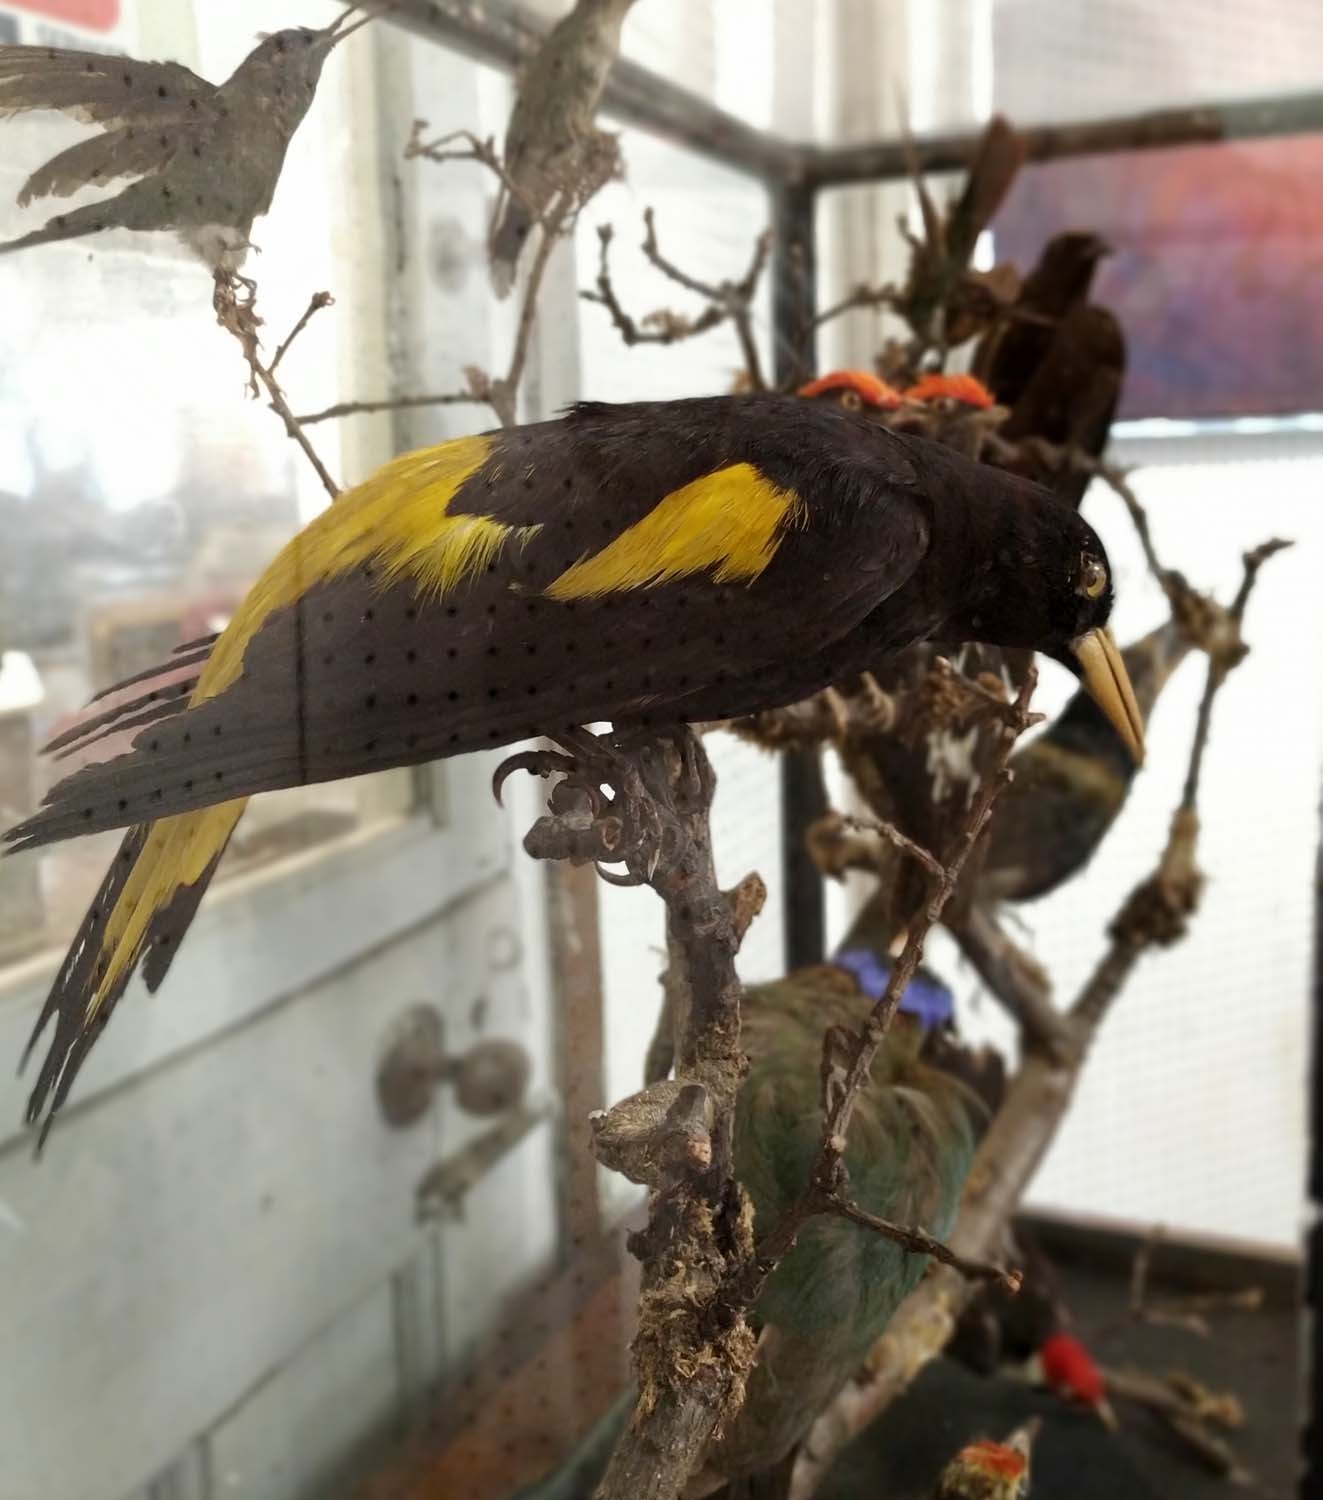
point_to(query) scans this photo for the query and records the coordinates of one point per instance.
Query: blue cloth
(926, 998)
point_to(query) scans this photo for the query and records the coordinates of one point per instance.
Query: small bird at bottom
(988, 1470)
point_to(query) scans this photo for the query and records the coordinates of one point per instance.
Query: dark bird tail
(509, 235)
(71, 226)
(996, 163)
(149, 895)
(139, 915)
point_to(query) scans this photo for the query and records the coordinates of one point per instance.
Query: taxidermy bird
(649, 564)
(987, 1470)
(551, 142)
(910, 1146)
(943, 300)
(1008, 356)
(1069, 402)
(831, 1297)
(206, 157)
(1071, 783)
(956, 410)
(1030, 1332)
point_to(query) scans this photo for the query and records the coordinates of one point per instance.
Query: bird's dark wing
(996, 162)
(99, 89)
(150, 110)
(127, 152)
(600, 567)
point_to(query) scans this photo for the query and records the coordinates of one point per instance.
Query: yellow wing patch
(176, 854)
(397, 518)
(728, 523)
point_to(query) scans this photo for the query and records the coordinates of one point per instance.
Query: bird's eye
(852, 400)
(1093, 578)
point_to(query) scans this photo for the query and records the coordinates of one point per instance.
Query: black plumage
(1008, 357)
(651, 563)
(1070, 402)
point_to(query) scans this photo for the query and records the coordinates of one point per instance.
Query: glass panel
(141, 489)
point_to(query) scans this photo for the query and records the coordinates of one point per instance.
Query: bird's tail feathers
(77, 222)
(509, 234)
(138, 916)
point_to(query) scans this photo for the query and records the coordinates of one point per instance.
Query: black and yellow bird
(1071, 783)
(653, 563)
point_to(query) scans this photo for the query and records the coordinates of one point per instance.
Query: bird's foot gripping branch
(643, 802)
(653, 818)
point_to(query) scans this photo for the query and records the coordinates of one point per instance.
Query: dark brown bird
(1008, 357)
(206, 157)
(656, 563)
(1070, 401)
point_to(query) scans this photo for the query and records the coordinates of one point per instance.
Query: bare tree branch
(317, 301)
(234, 299)
(825, 1188)
(395, 403)
(726, 300)
(1156, 913)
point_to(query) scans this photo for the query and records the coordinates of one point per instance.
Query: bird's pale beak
(339, 30)
(1108, 683)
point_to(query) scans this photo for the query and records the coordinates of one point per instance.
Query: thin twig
(880, 826)
(726, 301)
(655, 327)
(394, 403)
(1184, 1406)
(1155, 913)
(1117, 479)
(236, 311)
(483, 152)
(823, 1189)
(920, 1242)
(318, 301)
(503, 394)
(1219, 666)
(862, 296)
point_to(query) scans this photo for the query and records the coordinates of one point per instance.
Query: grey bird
(206, 157)
(551, 144)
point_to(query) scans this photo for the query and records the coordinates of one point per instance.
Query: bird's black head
(1065, 270)
(1035, 576)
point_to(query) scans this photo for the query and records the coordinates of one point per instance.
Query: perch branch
(553, 221)
(861, 296)
(677, 1136)
(726, 301)
(396, 403)
(846, 1073)
(828, 717)
(316, 302)
(1156, 913)
(919, 1242)
(234, 299)
(1184, 1406)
